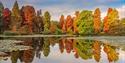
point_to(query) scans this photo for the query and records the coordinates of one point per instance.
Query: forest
(27, 21)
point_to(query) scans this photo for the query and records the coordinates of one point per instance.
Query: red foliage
(29, 16)
(6, 18)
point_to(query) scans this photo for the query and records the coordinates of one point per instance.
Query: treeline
(90, 23)
(23, 21)
(27, 21)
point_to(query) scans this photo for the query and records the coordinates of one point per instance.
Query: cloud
(121, 11)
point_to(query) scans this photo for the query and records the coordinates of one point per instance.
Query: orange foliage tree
(106, 22)
(97, 50)
(97, 20)
(62, 24)
(69, 23)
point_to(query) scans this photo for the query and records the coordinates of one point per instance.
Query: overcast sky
(68, 7)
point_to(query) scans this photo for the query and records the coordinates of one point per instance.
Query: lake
(62, 49)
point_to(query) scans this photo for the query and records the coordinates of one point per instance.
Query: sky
(68, 7)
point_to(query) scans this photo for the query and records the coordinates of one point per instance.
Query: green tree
(85, 22)
(47, 23)
(1, 19)
(46, 47)
(15, 18)
(84, 48)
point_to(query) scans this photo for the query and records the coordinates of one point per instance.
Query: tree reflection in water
(81, 48)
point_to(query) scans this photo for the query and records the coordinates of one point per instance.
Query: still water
(62, 50)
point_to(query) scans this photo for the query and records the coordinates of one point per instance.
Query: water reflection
(81, 48)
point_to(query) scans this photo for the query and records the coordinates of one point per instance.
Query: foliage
(46, 47)
(53, 27)
(62, 24)
(38, 25)
(47, 18)
(84, 48)
(69, 24)
(85, 22)
(29, 16)
(111, 53)
(6, 18)
(75, 28)
(113, 20)
(15, 18)
(97, 50)
(97, 21)
(14, 56)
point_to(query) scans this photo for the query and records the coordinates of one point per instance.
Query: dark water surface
(62, 50)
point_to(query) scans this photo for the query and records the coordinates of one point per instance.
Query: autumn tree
(69, 24)
(46, 47)
(84, 48)
(111, 52)
(38, 25)
(97, 21)
(85, 22)
(97, 50)
(1, 18)
(111, 22)
(29, 16)
(69, 45)
(47, 23)
(14, 56)
(122, 26)
(62, 24)
(61, 45)
(75, 28)
(15, 18)
(113, 18)
(105, 24)
(53, 27)
(6, 18)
